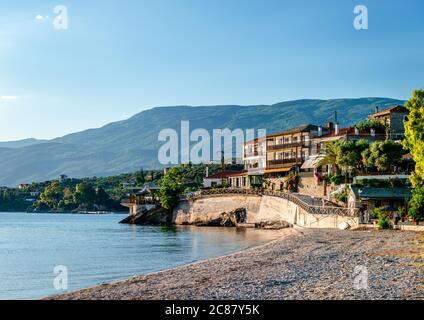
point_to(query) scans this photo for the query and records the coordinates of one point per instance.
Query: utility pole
(222, 166)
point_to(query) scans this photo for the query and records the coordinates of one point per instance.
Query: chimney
(337, 128)
(330, 125)
(376, 109)
(319, 131)
(373, 132)
(356, 131)
(207, 172)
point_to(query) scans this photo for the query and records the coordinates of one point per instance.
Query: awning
(312, 162)
(278, 170)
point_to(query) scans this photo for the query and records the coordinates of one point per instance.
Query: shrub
(342, 197)
(366, 125)
(383, 218)
(337, 179)
(416, 209)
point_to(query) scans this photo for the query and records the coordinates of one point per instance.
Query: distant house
(318, 144)
(343, 134)
(368, 198)
(239, 180)
(24, 186)
(128, 184)
(141, 198)
(254, 155)
(220, 178)
(394, 118)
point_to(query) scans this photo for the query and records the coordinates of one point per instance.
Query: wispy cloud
(2, 98)
(39, 17)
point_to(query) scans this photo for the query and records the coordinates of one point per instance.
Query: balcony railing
(288, 145)
(251, 154)
(284, 161)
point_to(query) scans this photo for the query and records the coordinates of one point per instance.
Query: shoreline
(247, 274)
(69, 212)
(288, 232)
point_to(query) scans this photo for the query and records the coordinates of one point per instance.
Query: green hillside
(127, 145)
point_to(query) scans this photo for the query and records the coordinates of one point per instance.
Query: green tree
(349, 154)
(172, 185)
(383, 155)
(84, 195)
(140, 177)
(414, 135)
(51, 195)
(332, 150)
(414, 141)
(416, 205)
(102, 198)
(367, 125)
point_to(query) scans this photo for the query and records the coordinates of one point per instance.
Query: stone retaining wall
(258, 208)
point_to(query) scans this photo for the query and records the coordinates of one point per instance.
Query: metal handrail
(284, 161)
(287, 145)
(312, 209)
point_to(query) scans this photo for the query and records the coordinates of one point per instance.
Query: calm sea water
(96, 249)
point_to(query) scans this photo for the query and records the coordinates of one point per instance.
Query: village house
(24, 186)
(369, 198)
(300, 150)
(311, 173)
(394, 118)
(254, 155)
(128, 184)
(287, 151)
(239, 180)
(141, 198)
(233, 179)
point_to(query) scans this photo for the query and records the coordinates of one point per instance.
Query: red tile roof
(349, 131)
(225, 174)
(387, 111)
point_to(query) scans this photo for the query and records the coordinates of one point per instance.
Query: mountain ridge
(127, 145)
(21, 143)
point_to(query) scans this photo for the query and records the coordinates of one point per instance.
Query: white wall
(265, 208)
(207, 182)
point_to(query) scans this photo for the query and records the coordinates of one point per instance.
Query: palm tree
(332, 150)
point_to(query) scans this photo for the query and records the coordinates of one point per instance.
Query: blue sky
(120, 57)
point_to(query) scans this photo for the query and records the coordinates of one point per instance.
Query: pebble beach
(303, 264)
